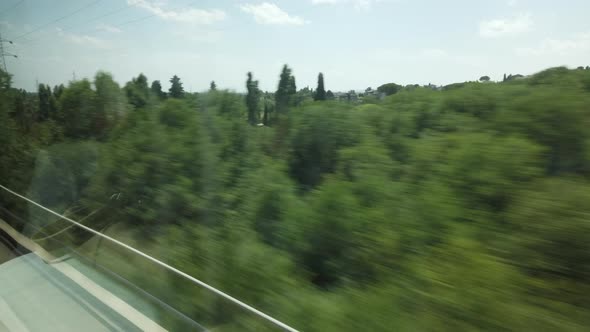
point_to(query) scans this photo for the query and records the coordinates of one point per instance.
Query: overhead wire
(12, 7)
(118, 10)
(132, 21)
(152, 15)
(137, 20)
(58, 19)
(69, 28)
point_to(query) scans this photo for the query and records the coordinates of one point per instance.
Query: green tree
(24, 110)
(266, 117)
(329, 235)
(320, 92)
(551, 116)
(5, 81)
(548, 246)
(15, 159)
(155, 191)
(110, 104)
(389, 88)
(176, 89)
(44, 93)
(62, 172)
(252, 99)
(292, 91)
(503, 168)
(213, 86)
(77, 110)
(137, 91)
(458, 209)
(58, 90)
(268, 108)
(156, 89)
(330, 95)
(286, 91)
(228, 105)
(141, 82)
(318, 133)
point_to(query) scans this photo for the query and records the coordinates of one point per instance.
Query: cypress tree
(252, 99)
(320, 93)
(285, 95)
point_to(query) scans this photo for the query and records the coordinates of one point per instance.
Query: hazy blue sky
(355, 43)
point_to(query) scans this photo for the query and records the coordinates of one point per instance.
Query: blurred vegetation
(462, 208)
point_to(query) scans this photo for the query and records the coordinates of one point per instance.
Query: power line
(118, 10)
(58, 19)
(151, 15)
(132, 21)
(162, 264)
(3, 53)
(12, 7)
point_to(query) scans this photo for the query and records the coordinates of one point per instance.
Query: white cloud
(108, 28)
(184, 15)
(269, 13)
(512, 3)
(506, 26)
(362, 4)
(578, 44)
(325, 2)
(83, 40)
(357, 4)
(88, 40)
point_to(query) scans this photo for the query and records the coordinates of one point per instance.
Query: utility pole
(3, 53)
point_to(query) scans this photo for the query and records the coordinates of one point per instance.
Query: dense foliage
(457, 209)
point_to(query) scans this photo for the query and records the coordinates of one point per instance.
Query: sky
(355, 43)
